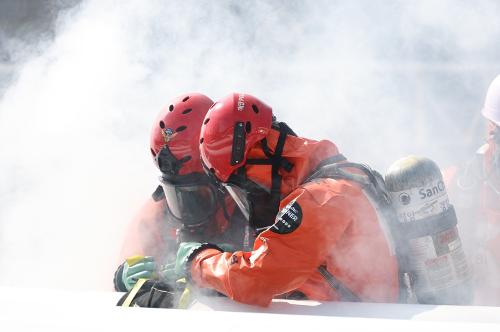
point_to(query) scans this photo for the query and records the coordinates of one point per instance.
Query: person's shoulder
(337, 186)
(325, 191)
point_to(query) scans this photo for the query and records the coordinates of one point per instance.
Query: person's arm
(147, 236)
(284, 256)
(147, 233)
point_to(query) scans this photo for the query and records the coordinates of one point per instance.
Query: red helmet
(177, 127)
(231, 128)
(191, 196)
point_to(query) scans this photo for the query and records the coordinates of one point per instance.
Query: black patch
(288, 219)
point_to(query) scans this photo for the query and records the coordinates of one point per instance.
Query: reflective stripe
(185, 299)
(133, 292)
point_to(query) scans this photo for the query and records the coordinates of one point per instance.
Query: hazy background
(82, 81)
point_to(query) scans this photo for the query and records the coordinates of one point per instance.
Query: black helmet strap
(277, 161)
(168, 164)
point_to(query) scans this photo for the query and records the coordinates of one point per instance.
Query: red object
(151, 234)
(178, 127)
(216, 137)
(338, 228)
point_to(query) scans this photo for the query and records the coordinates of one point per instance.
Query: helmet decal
(241, 102)
(168, 134)
(178, 127)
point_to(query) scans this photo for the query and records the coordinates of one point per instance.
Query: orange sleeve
(148, 233)
(283, 257)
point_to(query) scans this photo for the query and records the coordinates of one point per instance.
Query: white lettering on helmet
(241, 102)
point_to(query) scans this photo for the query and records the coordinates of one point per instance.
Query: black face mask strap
(276, 158)
(276, 161)
(283, 126)
(266, 149)
(168, 164)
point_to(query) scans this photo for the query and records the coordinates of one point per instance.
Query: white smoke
(382, 79)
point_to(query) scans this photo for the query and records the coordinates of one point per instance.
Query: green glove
(185, 254)
(137, 267)
(167, 272)
(227, 247)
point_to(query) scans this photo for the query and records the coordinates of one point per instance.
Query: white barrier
(23, 309)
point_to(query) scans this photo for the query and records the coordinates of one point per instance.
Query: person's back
(358, 251)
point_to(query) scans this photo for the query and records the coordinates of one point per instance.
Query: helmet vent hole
(255, 108)
(153, 153)
(181, 128)
(206, 121)
(248, 127)
(171, 108)
(201, 140)
(185, 99)
(187, 111)
(162, 125)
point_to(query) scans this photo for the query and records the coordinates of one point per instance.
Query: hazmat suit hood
(268, 176)
(303, 153)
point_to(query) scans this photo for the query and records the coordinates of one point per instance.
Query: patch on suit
(288, 219)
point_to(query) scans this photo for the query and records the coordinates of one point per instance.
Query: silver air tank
(426, 229)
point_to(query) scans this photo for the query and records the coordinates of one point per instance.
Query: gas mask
(256, 202)
(192, 199)
(259, 204)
